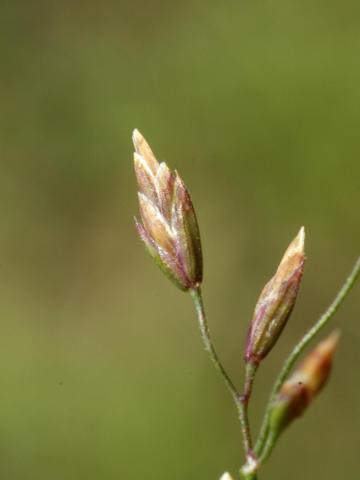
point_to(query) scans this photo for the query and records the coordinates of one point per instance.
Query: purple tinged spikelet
(276, 302)
(169, 227)
(304, 384)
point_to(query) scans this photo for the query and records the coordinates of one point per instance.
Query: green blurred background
(257, 104)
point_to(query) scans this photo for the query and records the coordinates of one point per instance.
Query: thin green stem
(268, 446)
(248, 471)
(250, 371)
(294, 355)
(208, 344)
(209, 347)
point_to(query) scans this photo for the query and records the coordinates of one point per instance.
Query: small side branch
(263, 441)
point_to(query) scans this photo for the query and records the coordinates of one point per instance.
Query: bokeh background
(257, 104)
